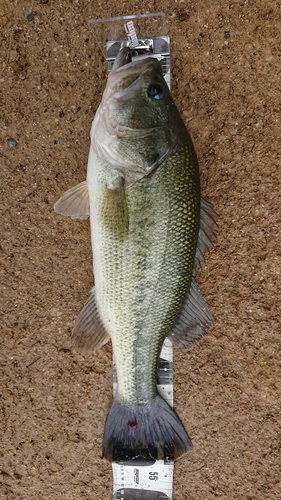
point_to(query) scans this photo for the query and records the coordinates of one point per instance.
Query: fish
(149, 231)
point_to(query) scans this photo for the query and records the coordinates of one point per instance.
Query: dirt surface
(226, 82)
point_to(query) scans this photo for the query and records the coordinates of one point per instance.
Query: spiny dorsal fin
(193, 320)
(89, 333)
(75, 202)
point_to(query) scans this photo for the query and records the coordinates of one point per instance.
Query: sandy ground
(226, 82)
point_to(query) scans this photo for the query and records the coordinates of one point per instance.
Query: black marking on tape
(133, 494)
(164, 372)
(142, 456)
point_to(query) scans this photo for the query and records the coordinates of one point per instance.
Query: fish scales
(142, 293)
(149, 229)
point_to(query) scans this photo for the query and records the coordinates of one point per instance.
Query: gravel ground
(226, 82)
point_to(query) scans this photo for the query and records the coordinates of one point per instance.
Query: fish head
(132, 130)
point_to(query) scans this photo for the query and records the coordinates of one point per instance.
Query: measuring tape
(147, 480)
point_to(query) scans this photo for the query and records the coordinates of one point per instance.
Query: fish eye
(155, 91)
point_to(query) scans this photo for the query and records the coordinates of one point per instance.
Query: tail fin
(144, 432)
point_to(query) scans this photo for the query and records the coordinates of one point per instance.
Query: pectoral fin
(89, 333)
(114, 209)
(75, 202)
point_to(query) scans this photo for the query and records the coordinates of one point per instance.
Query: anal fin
(74, 202)
(193, 320)
(89, 332)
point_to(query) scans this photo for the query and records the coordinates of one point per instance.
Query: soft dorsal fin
(89, 332)
(206, 236)
(74, 202)
(193, 320)
(195, 316)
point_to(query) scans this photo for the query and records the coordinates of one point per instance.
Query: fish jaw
(108, 150)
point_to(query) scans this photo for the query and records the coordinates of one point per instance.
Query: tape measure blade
(149, 481)
(153, 482)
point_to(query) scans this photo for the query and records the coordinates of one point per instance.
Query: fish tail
(145, 432)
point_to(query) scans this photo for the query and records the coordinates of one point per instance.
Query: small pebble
(55, 312)
(56, 142)
(11, 143)
(181, 15)
(22, 76)
(30, 17)
(226, 35)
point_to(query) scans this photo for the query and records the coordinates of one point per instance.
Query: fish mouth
(124, 57)
(125, 70)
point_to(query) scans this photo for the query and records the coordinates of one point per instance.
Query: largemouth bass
(149, 229)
